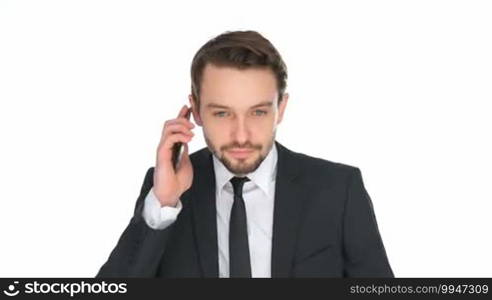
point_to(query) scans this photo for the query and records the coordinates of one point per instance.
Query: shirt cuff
(157, 216)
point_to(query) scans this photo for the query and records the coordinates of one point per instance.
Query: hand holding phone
(173, 173)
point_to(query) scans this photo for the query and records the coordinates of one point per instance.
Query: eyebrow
(215, 105)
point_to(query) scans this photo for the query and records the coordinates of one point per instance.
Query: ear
(281, 107)
(194, 110)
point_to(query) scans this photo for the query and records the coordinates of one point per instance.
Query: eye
(220, 114)
(259, 112)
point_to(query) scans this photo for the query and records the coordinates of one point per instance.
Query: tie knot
(237, 184)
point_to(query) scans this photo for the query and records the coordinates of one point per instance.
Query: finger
(174, 122)
(174, 138)
(177, 121)
(180, 121)
(183, 111)
(177, 128)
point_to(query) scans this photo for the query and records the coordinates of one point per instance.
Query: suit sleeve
(364, 252)
(140, 248)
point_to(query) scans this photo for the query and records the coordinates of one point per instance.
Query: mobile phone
(178, 148)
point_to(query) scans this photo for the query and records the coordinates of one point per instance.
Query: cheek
(262, 127)
(216, 132)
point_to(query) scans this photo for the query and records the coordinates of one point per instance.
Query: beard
(241, 167)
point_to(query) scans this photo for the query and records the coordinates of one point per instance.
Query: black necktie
(239, 262)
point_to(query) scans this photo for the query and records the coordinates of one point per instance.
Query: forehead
(233, 87)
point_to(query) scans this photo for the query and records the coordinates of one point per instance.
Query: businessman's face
(239, 113)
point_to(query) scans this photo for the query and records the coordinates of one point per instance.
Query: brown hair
(239, 49)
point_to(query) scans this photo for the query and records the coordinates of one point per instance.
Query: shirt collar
(263, 176)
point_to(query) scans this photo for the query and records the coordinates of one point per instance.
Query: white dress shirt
(258, 194)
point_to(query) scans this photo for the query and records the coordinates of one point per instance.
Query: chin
(242, 166)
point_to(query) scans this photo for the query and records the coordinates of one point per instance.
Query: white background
(400, 89)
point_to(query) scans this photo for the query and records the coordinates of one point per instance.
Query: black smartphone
(178, 147)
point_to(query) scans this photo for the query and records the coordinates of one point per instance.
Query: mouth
(240, 153)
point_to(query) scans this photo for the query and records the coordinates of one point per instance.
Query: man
(245, 206)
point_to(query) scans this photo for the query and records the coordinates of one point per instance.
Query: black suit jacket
(324, 226)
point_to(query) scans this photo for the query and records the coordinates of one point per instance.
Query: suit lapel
(205, 215)
(287, 212)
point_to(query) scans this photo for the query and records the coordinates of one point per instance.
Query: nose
(241, 131)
